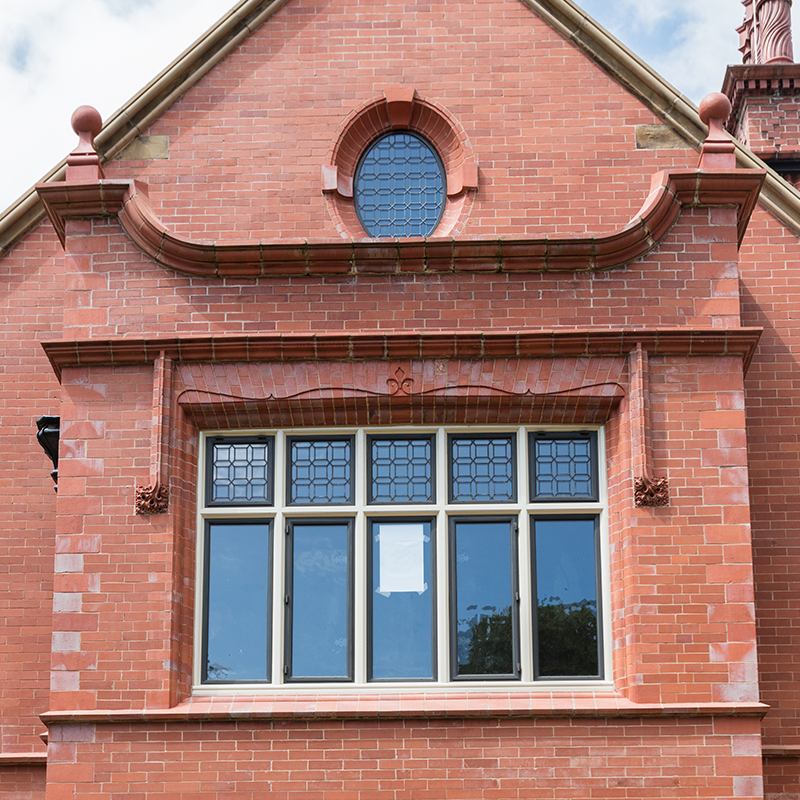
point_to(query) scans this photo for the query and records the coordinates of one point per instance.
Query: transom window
(397, 555)
(399, 187)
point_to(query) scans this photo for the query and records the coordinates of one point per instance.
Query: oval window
(399, 187)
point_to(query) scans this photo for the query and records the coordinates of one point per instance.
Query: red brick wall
(31, 281)
(691, 279)
(681, 576)
(558, 759)
(554, 137)
(22, 782)
(770, 126)
(771, 298)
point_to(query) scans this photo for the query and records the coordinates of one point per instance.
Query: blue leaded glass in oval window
(399, 187)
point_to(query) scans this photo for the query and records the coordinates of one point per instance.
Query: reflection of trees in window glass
(486, 646)
(567, 637)
(565, 552)
(485, 585)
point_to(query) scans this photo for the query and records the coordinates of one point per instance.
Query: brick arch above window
(400, 108)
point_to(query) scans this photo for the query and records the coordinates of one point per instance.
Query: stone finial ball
(86, 118)
(715, 106)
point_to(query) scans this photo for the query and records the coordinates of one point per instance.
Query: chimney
(765, 89)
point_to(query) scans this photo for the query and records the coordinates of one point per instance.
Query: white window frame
(441, 510)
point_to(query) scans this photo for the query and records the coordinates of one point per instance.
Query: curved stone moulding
(464, 404)
(670, 193)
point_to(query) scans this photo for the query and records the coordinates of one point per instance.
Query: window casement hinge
(285, 669)
(519, 668)
(515, 526)
(516, 596)
(287, 529)
(286, 599)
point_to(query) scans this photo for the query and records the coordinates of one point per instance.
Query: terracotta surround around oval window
(400, 108)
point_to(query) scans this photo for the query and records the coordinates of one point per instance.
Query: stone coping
(395, 705)
(22, 759)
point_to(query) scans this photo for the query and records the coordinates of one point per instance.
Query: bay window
(400, 556)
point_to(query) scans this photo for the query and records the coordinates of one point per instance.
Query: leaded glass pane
(241, 472)
(564, 467)
(565, 573)
(399, 187)
(320, 471)
(401, 470)
(482, 469)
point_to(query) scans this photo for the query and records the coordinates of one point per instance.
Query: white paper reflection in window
(402, 559)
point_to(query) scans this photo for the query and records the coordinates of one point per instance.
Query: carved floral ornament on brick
(716, 182)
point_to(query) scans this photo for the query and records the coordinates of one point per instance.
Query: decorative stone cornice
(380, 345)
(670, 193)
(743, 81)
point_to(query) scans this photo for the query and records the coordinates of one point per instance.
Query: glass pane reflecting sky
(238, 600)
(319, 600)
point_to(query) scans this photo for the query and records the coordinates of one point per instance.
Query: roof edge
(778, 196)
(147, 105)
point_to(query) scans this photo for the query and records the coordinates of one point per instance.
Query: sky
(58, 54)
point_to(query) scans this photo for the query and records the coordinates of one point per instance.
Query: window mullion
(524, 554)
(279, 562)
(360, 555)
(442, 577)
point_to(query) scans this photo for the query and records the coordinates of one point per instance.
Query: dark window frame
(372, 437)
(452, 576)
(512, 437)
(288, 618)
(290, 440)
(209, 469)
(270, 524)
(532, 518)
(591, 436)
(381, 519)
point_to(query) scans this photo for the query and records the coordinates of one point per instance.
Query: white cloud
(58, 54)
(688, 42)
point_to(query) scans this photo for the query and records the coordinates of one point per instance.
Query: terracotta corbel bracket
(670, 193)
(648, 490)
(154, 498)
